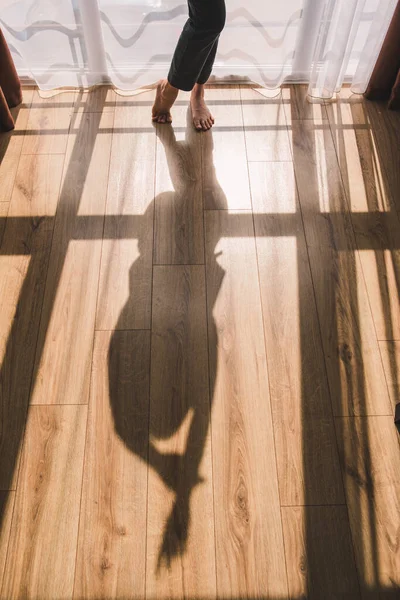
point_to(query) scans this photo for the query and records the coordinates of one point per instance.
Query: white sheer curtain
(130, 42)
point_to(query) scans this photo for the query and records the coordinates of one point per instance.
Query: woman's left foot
(202, 117)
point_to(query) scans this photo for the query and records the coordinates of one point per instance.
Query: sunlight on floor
(206, 327)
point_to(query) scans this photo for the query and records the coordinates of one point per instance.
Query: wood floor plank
(181, 543)
(101, 98)
(178, 236)
(133, 127)
(248, 525)
(265, 127)
(370, 453)
(319, 553)
(381, 268)
(4, 206)
(24, 257)
(11, 146)
(6, 510)
(48, 123)
(362, 170)
(126, 263)
(112, 534)
(354, 365)
(42, 547)
(307, 460)
(368, 191)
(67, 326)
(299, 105)
(323, 201)
(390, 352)
(385, 125)
(355, 372)
(224, 152)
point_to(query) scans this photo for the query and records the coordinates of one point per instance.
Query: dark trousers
(197, 46)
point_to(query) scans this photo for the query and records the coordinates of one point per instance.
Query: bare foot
(202, 117)
(165, 97)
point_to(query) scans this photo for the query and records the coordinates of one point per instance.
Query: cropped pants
(197, 46)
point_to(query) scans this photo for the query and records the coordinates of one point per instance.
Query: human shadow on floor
(179, 382)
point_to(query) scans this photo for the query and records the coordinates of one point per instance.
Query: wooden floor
(200, 349)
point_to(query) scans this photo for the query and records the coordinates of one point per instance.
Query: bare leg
(202, 117)
(165, 98)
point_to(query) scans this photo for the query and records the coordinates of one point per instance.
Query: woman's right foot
(202, 117)
(165, 98)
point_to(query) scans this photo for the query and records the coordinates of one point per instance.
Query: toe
(169, 119)
(203, 125)
(197, 123)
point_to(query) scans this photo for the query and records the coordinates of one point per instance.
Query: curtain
(129, 43)
(10, 88)
(385, 81)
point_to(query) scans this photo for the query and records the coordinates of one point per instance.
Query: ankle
(167, 88)
(198, 91)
